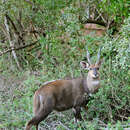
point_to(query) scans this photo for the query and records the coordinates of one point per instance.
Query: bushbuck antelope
(61, 95)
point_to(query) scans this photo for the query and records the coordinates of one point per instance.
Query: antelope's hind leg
(38, 118)
(45, 109)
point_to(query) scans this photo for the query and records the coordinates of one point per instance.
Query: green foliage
(115, 9)
(113, 98)
(62, 49)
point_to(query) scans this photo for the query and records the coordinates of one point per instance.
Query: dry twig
(19, 48)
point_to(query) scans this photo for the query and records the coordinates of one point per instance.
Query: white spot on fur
(41, 98)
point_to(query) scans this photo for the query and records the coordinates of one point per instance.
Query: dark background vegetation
(43, 40)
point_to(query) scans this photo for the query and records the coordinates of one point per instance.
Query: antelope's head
(93, 72)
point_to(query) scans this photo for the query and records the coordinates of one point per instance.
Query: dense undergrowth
(62, 50)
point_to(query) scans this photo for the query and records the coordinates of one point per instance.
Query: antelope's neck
(92, 84)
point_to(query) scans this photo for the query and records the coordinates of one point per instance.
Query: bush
(113, 98)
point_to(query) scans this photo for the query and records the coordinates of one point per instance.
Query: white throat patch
(95, 83)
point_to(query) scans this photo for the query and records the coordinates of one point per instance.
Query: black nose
(95, 72)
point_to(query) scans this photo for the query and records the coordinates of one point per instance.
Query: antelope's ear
(84, 65)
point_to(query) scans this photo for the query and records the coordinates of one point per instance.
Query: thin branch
(19, 20)
(9, 19)
(15, 29)
(19, 48)
(28, 1)
(2, 26)
(64, 125)
(101, 123)
(11, 42)
(101, 16)
(32, 4)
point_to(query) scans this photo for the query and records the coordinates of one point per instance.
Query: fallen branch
(19, 48)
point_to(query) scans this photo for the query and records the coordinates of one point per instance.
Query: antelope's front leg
(77, 114)
(86, 100)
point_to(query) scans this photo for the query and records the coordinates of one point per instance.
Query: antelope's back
(55, 88)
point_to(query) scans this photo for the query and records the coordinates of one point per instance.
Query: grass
(16, 107)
